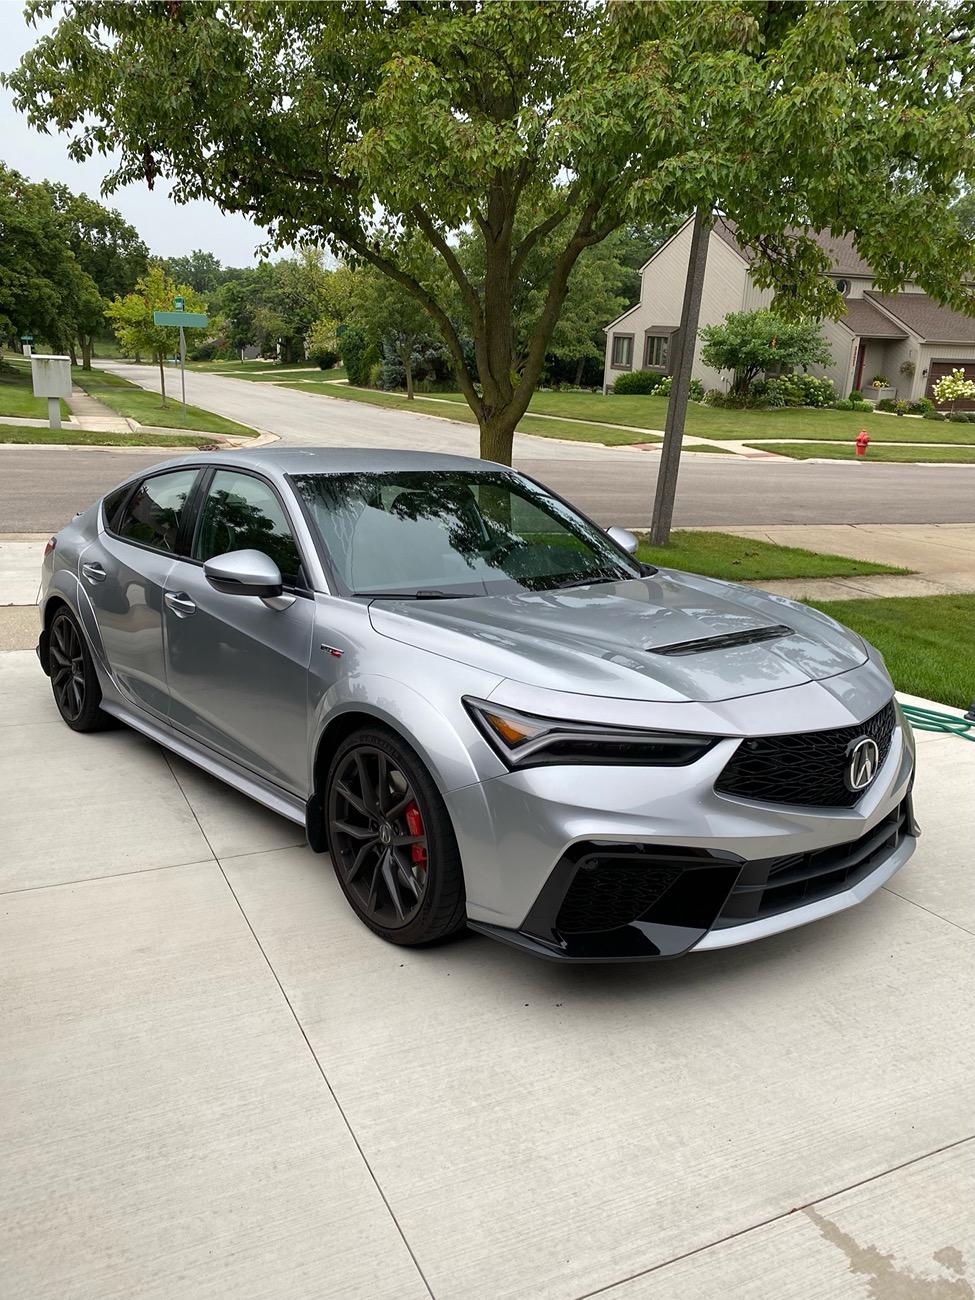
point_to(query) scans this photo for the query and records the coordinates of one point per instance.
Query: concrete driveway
(215, 1082)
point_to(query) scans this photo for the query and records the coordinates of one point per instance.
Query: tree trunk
(162, 378)
(406, 356)
(498, 435)
(579, 369)
(72, 353)
(86, 341)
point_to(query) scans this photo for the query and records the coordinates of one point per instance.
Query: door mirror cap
(244, 573)
(624, 539)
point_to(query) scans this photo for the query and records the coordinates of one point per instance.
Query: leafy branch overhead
(534, 129)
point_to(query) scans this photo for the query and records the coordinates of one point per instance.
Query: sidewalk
(89, 413)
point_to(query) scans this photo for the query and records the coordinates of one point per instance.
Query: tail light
(50, 546)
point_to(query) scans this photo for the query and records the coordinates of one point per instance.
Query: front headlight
(523, 740)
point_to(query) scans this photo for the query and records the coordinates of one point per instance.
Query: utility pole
(663, 501)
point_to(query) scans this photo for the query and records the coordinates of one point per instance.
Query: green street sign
(27, 338)
(193, 320)
(179, 304)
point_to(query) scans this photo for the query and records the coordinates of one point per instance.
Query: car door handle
(181, 604)
(93, 572)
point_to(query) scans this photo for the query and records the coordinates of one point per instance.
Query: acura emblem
(862, 761)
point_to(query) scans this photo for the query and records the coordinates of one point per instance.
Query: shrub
(959, 417)
(695, 391)
(322, 344)
(901, 407)
(752, 342)
(879, 381)
(856, 395)
(863, 406)
(663, 388)
(954, 388)
(933, 415)
(638, 381)
(886, 404)
(844, 404)
(923, 406)
(357, 355)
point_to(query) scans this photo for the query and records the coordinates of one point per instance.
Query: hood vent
(748, 637)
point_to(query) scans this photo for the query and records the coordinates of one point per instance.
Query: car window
(454, 532)
(113, 501)
(241, 513)
(155, 511)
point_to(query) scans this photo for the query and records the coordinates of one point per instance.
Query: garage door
(938, 369)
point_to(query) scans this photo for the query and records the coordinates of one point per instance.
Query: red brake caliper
(414, 824)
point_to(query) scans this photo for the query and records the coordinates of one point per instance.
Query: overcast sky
(168, 228)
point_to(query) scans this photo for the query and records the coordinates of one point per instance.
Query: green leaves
(751, 342)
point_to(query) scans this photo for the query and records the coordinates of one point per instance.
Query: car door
(238, 665)
(124, 573)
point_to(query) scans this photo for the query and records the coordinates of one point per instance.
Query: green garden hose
(948, 724)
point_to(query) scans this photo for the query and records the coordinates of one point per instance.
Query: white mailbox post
(52, 379)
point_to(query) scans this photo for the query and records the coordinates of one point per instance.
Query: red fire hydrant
(863, 439)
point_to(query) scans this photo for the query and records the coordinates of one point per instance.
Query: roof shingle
(934, 323)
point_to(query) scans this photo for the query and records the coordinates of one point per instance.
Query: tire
(392, 845)
(74, 681)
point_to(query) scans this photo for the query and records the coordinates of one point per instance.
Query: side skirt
(262, 792)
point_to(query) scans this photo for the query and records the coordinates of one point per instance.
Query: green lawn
(17, 392)
(740, 559)
(89, 438)
(846, 451)
(926, 640)
(267, 370)
(137, 403)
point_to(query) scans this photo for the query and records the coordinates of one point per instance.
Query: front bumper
(696, 869)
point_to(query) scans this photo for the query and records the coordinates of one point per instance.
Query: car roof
(278, 461)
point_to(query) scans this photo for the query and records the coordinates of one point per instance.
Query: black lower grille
(774, 885)
(805, 768)
(605, 894)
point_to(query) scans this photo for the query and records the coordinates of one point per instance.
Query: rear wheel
(73, 677)
(392, 844)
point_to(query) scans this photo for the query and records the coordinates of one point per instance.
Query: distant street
(40, 489)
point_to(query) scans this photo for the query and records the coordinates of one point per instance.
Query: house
(907, 337)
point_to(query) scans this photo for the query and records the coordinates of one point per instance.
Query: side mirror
(244, 573)
(624, 539)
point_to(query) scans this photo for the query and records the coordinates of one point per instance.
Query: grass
(137, 403)
(91, 438)
(741, 559)
(926, 641)
(845, 451)
(17, 392)
(266, 370)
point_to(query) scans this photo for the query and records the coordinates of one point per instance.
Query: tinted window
(241, 513)
(155, 511)
(456, 533)
(112, 502)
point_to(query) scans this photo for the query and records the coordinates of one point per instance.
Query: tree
(385, 311)
(953, 388)
(107, 248)
(753, 342)
(199, 269)
(322, 343)
(363, 126)
(131, 317)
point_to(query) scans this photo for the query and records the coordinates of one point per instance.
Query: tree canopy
(750, 343)
(132, 317)
(523, 124)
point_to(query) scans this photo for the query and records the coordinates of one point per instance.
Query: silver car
(486, 709)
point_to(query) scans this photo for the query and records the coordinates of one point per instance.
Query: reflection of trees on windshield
(491, 521)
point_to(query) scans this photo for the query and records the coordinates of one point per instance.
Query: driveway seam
(937, 915)
(775, 1218)
(113, 875)
(301, 1030)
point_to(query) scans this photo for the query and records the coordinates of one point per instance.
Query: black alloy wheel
(73, 678)
(392, 845)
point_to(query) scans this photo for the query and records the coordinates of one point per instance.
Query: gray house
(906, 337)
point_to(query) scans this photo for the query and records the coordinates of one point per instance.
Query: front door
(124, 574)
(238, 665)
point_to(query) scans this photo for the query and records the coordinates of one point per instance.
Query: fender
(66, 585)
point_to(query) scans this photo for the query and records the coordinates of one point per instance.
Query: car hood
(604, 639)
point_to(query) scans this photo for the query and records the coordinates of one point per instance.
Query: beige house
(906, 337)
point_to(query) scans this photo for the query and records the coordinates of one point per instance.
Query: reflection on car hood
(599, 640)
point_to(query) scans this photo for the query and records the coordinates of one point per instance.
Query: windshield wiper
(598, 575)
(422, 593)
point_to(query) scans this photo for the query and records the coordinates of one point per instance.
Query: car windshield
(454, 533)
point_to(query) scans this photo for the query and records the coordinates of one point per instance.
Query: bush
(844, 404)
(933, 415)
(638, 381)
(886, 404)
(923, 406)
(357, 355)
(879, 381)
(663, 388)
(322, 344)
(863, 406)
(856, 395)
(695, 391)
(958, 417)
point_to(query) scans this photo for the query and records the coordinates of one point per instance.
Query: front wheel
(392, 844)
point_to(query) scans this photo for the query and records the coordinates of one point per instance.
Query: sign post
(184, 320)
(27, 340)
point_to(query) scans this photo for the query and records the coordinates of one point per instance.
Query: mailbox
(52, 379)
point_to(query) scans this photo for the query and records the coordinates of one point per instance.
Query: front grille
(806, 768)
(605, 894)
(774, 885)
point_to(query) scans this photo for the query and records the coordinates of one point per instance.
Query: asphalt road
(41, 488)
